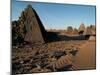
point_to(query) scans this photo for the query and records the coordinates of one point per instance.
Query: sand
(86, 57)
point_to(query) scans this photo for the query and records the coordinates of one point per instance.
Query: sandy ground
(86, 57)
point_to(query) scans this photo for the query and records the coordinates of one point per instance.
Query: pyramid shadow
(54, 37)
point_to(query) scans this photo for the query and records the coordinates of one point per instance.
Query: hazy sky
(58, 16)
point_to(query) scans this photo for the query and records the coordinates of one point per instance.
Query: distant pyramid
(69, 30)
(89, 31)
(34, 30)
(75, 31)
(81, 28)
(93, 27)
(92, 38)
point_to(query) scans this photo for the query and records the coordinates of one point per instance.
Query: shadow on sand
(56, 36)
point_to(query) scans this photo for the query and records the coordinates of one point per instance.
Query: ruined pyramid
(34, 27)
(92, 38)
(30, 26)
(81, 28)
(75, 31)
(69, 30)
(89, 31)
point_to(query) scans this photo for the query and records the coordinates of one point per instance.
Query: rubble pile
(40, 61)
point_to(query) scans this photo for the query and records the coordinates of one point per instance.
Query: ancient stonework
(89, 31)
(69, 30)
(34, 28)
(29, 27)
(75, 31)
(81, 28)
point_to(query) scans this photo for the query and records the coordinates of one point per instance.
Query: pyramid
(81, 28)
(34, 30)
(75, 31)
(89, 31)
(69, 30)
(92, 38)
(93, 27)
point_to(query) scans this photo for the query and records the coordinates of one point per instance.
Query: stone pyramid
(89, 31)
(81, 28)
(75, 31)
(69, 30)
(92, 38)
(34, 30)
(93, 28)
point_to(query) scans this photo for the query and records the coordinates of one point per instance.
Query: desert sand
(86, 57)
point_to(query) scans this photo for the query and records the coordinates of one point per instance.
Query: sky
(58, 16)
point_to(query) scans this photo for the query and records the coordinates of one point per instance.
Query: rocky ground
(49, 57)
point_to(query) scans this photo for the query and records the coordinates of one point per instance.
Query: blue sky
(58, 16)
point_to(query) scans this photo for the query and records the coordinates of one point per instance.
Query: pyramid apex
(29, 6)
